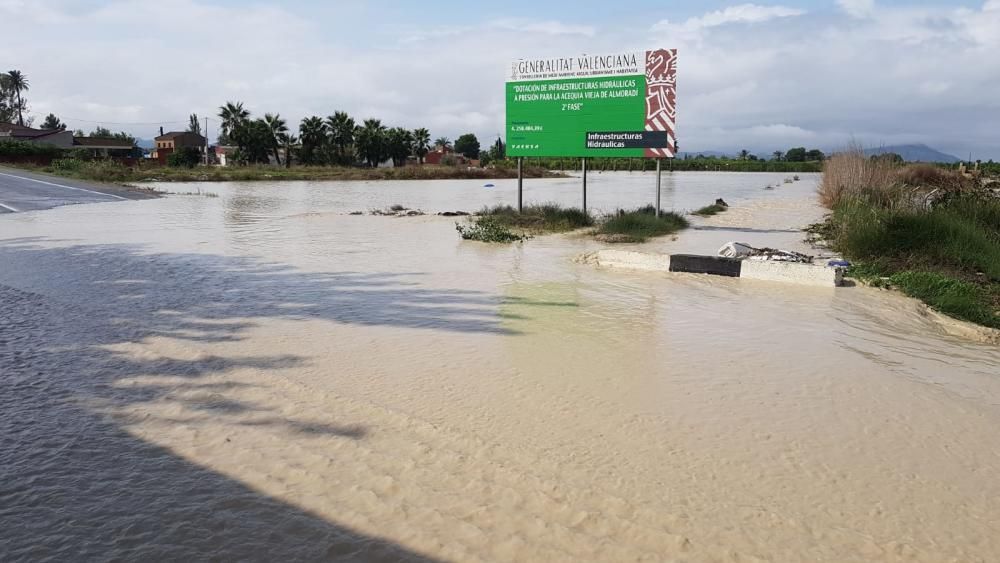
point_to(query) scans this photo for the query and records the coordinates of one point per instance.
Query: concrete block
(695, 264)
(633, 260)
(791, 272)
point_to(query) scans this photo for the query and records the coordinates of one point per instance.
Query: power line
(67, 118)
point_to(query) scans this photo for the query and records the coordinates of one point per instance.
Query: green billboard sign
(608, 105)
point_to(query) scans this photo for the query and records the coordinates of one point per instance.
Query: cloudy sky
(760, 76)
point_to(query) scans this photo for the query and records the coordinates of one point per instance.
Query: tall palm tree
(287, 142)
(278, 128)
(421, 143)
(342, 128)
(370, 140)
(776, 155)
(19, 83)
(744, 154)
(442, 143)
(312, 132)
(232, 115)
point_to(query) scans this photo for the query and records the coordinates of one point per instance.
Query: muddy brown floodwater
(261, 376)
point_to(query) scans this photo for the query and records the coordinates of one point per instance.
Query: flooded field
(262, 376)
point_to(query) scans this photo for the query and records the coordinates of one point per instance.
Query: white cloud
(749, 77)
(857, 8)
(743, 13)
(544, 27)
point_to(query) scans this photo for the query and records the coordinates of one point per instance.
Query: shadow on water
(75, 485)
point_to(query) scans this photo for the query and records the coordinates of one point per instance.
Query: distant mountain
(145, 143)
(915, 153)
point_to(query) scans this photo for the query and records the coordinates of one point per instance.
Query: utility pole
(206, 141)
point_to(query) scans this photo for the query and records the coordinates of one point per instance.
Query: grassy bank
(932, 234)
(107, 171)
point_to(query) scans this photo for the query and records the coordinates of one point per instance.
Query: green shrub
(186, 157)
(488, 229)
(640, 224)
(97, 170)
(709, 210)
(547, 217)
(21, 148)
(67, 165)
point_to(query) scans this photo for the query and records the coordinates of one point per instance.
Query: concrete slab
(791, 272)
(633, 260)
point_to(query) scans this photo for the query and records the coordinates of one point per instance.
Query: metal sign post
(520, 182)
(657, 187)
(583, 166)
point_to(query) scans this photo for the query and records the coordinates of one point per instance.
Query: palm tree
(232, 115)
(399, 145)
(421, 143)
(287, 142)
(19, 83)
(278, 128)
(776, 155)
(312, 131)
(342, 128)
(370, 142)
(442, 143)
(744, 154)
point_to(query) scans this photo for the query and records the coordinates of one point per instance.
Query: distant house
(435, 156)
(105, 147)
(176, 140)
(224, 155)
(55, 137)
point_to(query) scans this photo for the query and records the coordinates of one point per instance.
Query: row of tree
(797, 154)
(335, 140)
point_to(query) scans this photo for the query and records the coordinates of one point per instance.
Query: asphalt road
(25, 191)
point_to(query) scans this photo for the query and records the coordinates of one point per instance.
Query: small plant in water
(488, 229)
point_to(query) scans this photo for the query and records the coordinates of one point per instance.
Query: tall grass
(929, 232)
(640, 224)
(880, 180)
(851, 173)
(960, 236)
(546, 217)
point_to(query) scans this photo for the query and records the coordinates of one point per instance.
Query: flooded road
(261, 376)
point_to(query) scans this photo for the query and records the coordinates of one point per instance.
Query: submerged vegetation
(505, 224)
(638, 225)
(933, 234)
(547, 217)
(710, 210)
(489, 229)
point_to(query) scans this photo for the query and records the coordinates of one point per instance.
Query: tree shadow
(74, 484)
